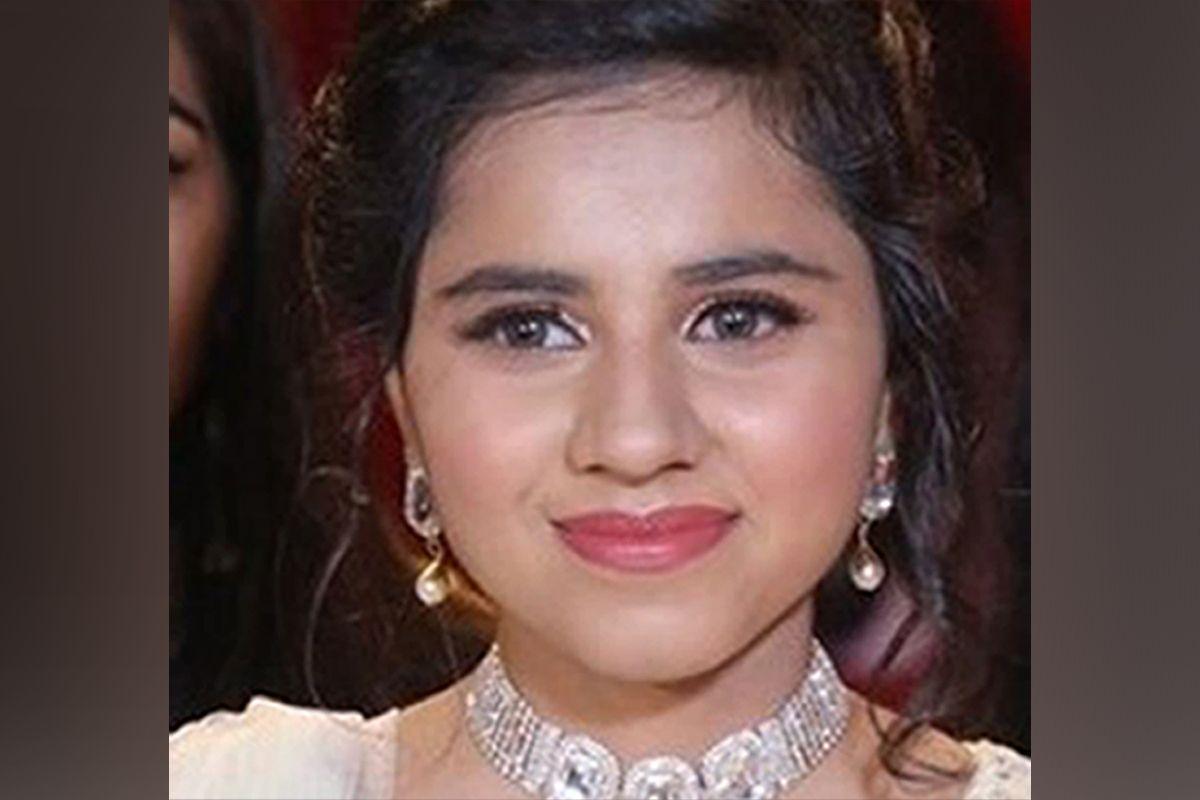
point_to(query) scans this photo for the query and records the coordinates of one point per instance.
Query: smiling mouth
(657, 542)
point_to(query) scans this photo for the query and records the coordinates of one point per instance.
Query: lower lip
(663, 542)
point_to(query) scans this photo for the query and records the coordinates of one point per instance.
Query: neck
(683, 717)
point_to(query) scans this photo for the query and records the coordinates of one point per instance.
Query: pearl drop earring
(866, 568)
(433, 583)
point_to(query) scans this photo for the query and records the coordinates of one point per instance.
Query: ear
(393, 383)
(885, 439)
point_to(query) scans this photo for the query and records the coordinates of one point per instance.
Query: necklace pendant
(661, 778)
(584, 770)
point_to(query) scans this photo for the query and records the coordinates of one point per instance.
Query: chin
(655, 647)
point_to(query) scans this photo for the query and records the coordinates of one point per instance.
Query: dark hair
(219, 474)
(846, 87)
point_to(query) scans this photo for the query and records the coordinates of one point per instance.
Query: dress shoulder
(272, 749)
(1001, 773)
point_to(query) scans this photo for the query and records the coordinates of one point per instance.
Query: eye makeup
(733, 317)
(525, 327)
(744, 316)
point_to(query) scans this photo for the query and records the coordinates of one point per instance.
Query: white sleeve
(270, 750)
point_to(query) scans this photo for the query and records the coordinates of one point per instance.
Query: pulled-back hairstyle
(844, 86)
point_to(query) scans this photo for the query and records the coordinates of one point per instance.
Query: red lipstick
(655, 542)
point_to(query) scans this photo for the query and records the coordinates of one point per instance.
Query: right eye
(526, 329)
(176, 165)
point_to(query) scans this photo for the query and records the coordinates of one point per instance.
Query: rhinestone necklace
(755, 763)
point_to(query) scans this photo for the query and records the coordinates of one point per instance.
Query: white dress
(272, 750)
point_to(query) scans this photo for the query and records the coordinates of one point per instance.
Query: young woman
(656, 294)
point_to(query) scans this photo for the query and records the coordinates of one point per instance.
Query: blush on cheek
(809, 456)
(489, 449)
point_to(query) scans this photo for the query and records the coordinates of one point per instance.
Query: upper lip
(661, 520)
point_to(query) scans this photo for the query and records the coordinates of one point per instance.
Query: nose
(636, 418)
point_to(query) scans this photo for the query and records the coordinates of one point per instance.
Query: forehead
(181, 78)
(631, 176)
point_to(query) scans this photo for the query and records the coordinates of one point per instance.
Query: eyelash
(175, 166)
(783, 314)
(491, 326)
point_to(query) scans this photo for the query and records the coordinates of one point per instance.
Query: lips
(657, 542)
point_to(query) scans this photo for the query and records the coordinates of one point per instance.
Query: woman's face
(199, 217)
(626, 311)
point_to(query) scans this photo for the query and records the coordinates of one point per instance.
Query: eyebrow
(514, 278)
(712, 271)
(752, 262)
(179, 109)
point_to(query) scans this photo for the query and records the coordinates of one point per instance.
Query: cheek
(799, 443)
(490, 441)
(198, 223)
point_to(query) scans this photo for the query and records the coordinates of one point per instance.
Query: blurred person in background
(225, 160)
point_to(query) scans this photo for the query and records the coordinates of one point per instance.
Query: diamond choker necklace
(755, 763)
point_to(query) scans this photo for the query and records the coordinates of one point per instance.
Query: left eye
(728, 320)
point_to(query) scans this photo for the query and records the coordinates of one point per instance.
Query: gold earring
(866, 568)
(433, 583)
